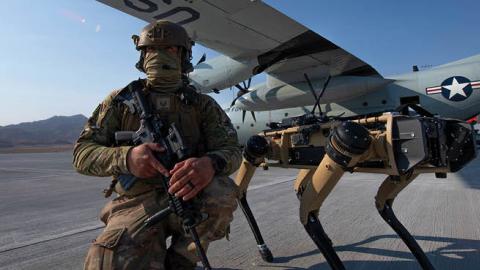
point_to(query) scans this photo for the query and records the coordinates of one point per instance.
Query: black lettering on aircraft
(151, 7)
(193, 13)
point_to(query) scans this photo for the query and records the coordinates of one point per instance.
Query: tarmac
(48, 218)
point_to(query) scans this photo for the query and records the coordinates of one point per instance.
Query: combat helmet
(162, 33)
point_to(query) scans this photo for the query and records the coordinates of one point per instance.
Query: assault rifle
(153, 130)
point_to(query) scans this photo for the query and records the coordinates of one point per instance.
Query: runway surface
(48, 217)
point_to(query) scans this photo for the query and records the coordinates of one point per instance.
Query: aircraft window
(286, 114)
(251, 124)
(384, 102)
(365, 104)
(238, 127)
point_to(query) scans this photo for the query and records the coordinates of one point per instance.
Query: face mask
(163, 70)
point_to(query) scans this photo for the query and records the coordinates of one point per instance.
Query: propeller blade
(240, 93)
(325, 84)
(238, 87)
(310, 85)
(253, 115)
(244, 85)
(243, 115)
(317, 101)
(242, 90)
(202, 59)
(233, 101)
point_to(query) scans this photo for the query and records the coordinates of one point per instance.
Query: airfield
(48, 216)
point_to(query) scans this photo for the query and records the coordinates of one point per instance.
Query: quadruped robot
(398, 145)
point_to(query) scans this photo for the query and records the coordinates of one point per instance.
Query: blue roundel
(456, 88)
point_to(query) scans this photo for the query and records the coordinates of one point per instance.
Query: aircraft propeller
(202, 59)
(317, 98)
(242, 90)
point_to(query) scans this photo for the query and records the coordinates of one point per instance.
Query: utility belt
(141, 186)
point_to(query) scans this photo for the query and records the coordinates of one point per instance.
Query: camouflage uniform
(206, 130)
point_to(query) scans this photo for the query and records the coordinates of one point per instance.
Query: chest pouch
(172, 109)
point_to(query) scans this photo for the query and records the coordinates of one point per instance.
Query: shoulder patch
(125, 96)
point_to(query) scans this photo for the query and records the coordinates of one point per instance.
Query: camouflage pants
(122, 246)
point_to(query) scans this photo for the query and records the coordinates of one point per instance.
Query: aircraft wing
(251, 29)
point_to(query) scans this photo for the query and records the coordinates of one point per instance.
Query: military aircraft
(254, 38)
(450, 90)
(302, 66)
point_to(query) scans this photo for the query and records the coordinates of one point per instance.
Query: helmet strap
(187, 66)
(139, 64)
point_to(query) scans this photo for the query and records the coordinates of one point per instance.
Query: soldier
(165, 54)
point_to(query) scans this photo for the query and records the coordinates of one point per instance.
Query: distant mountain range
(57, 130)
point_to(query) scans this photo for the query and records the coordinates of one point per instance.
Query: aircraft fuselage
(451, 90)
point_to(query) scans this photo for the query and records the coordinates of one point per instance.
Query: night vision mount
(400, 146)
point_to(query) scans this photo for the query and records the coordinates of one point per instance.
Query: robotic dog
(400, 146)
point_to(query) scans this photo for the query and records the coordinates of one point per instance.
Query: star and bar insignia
(456, 88)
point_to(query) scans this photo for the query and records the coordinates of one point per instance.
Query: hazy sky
(62, 57)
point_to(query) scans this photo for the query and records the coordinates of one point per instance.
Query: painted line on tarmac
(254, 187)
(11, 247)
